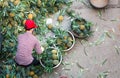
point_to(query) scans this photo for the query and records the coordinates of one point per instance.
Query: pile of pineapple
(51, 58)
(14, 13)
(81, 28)
(11, 70)
(64, 40)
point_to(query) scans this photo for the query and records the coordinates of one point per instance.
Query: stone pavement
(86, 60)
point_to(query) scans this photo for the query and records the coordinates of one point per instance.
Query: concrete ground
(87, 59)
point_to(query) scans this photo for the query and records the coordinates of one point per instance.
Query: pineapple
(12, 0)
(10, 25)
(82, 27)
(60, 18)
(50, 26)
(30, 16)
(7, 76)
(16, 2)
(54, 56)
(31, 73)
(39, 3)
(37, 10)
(11, 44)
(21, 14)
(1, 3)
(65, 37)
(54, 51)
(35, 76)
(59, 41)
(69, 44)
(5, 4)
(12, 14)
(55, 62)
(24, 22)
(55, 9)
(70, 39)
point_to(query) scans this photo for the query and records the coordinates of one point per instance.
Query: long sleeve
(38, 47)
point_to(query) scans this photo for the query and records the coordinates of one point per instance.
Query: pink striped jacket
(26, 43)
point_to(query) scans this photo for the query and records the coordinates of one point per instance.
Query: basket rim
(54, 66)
(74, 33)
(73, 41)
(96, 6)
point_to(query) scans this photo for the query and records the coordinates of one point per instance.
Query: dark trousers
(35, 62)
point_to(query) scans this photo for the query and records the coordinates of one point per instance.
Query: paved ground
(92, 61)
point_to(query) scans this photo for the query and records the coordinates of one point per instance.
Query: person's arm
(38, 47)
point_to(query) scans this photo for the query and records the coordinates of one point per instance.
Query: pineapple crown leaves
(60, 33)
(71, 13)
(51, 41)
(62, 12)
(4, 12)
(30, 2)
(51, 3)
(67, 2)
(49, 69)
(89, 23)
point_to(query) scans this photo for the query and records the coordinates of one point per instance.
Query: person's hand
(42, 48)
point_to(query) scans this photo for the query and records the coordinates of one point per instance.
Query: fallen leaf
(85, 51)
(104, 62)
(117, 49)
(79, 66)
(99, 41)
(86, 2)
(103, 74)
(110, 34)
(100, 14)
